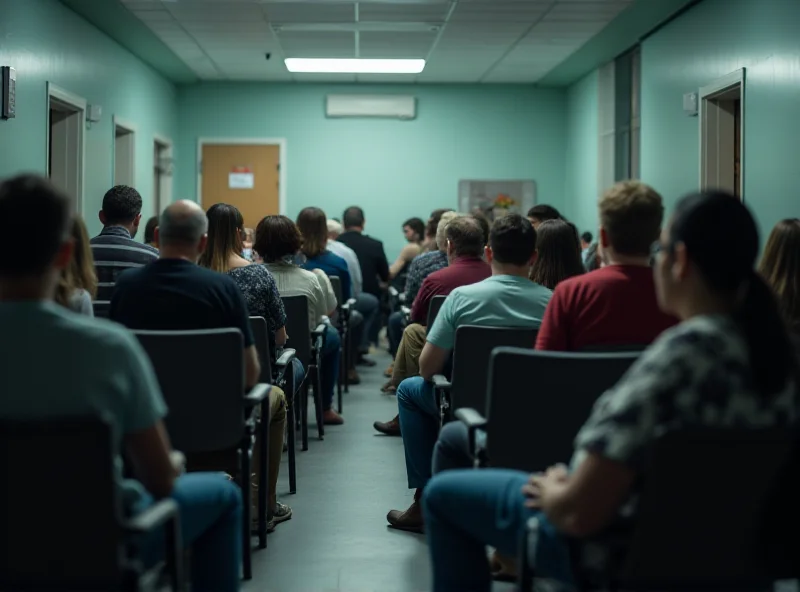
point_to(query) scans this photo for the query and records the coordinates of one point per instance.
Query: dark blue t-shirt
(177, 295)
(332, 264)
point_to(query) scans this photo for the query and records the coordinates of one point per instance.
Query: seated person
(731, 341)
(225, 235)
(780, 267)
(107, 371)
(543, 213)
(78, 284)
(278, 241)
(413, 230)
(429, 242)
(465, 246)
(507, 299)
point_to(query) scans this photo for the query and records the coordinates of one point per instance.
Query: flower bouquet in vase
(502, 205)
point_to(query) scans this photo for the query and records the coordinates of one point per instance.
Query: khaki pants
(406, 362)
(226, 460)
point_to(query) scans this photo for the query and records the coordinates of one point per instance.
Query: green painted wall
(393, 169)
(582, 152)
(45, 41)
(709, 41)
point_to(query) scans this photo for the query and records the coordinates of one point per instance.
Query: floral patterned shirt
(262, 297)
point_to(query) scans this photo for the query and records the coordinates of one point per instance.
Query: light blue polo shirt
(498, 301)
(54, 363)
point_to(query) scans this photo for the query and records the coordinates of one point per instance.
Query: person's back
(114, 249)
(462, 271)
(370, 253)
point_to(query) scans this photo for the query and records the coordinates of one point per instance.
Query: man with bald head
(175, 294)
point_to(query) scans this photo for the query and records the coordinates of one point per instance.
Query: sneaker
(281, 513)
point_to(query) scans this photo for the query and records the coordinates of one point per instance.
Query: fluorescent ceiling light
(354, 66)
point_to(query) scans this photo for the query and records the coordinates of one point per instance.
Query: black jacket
(371, 257)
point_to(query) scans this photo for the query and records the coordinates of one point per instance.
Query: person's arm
(327, 290)
(85, 304)
(276, 312)
(554, 332)
(413, 282)
(344, 277)
(355, 274)
(149, 452)
(280, 336)
(318, 302)
(432, 360)
(239, 317)
(382, 264)
(407, 253)
(419, 309)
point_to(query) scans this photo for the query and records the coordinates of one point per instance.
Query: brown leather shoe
(410, 520)
(353, 377)
(390, 428)
(330, 417)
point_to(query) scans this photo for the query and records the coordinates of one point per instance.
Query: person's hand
(539, 484)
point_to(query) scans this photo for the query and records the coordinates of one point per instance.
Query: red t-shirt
(614, 305)
(461, 272)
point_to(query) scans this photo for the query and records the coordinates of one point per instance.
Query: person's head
(225, 234)
(631, 214)
(441, 238)
(558, 257)
(780, 267)
(542, 213)
(464, 238)
(414, 230)
(182, 231)
(512, 244)
(353, 218)
(334, 229)
(249, 237)
(705, 265)
(485, 226)
(150, 231)
(277, 238)
(313, 225)
(33, 276)
(122, 206)
(79, 274)
(433, 222)
(586, 240)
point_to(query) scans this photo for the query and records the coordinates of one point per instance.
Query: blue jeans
(330, 366)
(468, 509)
(394, 331)
(419, 422)
(368, 305)
(211, 521)
(299, 374)
(452, 448)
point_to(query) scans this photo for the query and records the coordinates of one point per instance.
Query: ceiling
(548, 42)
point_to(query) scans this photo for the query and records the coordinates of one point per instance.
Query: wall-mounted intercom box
(9, 79)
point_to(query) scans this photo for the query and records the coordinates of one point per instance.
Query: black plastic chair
(62, 516)
(342, 323)
(201, 374)
(537, 403)
(280, 374)
(705, 536)
(308, 347)
(471, 353)
(101, 308)
(433, 309)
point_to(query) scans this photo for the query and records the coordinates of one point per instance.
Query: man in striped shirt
(114, 249)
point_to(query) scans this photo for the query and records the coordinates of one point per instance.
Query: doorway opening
(162, 173)
(722, 134)
(124, 153)
(66, 115)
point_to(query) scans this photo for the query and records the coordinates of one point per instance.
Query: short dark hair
(486, 227)
(353, 217)
(544, 212)
(559, 254)
(277, 237)
(587, 237)
(512, 239)
(150, 230)
(31, 199)
(121, 204)
(433, 221)
(417, 225)
(466, 236)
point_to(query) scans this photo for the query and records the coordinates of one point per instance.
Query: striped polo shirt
(115, 251)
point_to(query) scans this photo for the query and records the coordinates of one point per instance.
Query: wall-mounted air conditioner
(390, 106)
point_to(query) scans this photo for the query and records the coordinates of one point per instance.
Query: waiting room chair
(201, 374)
(280, 374)
(537, 403)
(701, 512)
(62, 516)
(471, 354)
(308, 347)
(433, 309)
(101, 308)
(342, 323)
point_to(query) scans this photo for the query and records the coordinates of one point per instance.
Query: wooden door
(257, 162)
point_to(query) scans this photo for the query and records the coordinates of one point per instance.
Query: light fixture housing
(354, 66)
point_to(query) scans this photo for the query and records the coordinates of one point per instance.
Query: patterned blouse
(262, 297)
(420, 268)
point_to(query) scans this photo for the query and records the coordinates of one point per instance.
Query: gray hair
(441, 237)
(182, 222)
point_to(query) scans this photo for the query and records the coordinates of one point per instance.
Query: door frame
(280, 142)
(707, 115)
(79, 105)
(132, 129)
(165, 191)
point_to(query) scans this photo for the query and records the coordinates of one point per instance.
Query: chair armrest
(441, 383)
(351, 302)
(285, 358)
(257, 394)
(405, 310)
(393, 292)
(402, 298)
(319, 331)
(474, 422)
(156, 515)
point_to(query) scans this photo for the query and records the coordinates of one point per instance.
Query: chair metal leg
(263, 470)
(342, 374)
(304, 413)
(318, 402)
(291, 442)
(347, 361)
(247, 502)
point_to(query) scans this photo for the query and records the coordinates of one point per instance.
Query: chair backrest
(261, 337)
(619, 347)
(433, 309)
(539, 400)
(201, 374)
(336, 283)
(60, 507)
(296, 308)
(702, 507)
(101, 308)
(471, 353)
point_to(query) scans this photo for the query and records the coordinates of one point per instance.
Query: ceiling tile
(218, 12)
(313, 12)
(389, 12)
(395, 45)
(307, 44)
(500, 11)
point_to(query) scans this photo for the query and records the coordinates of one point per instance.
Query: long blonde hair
(80, 273)
(225, 228)
(780, 267)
